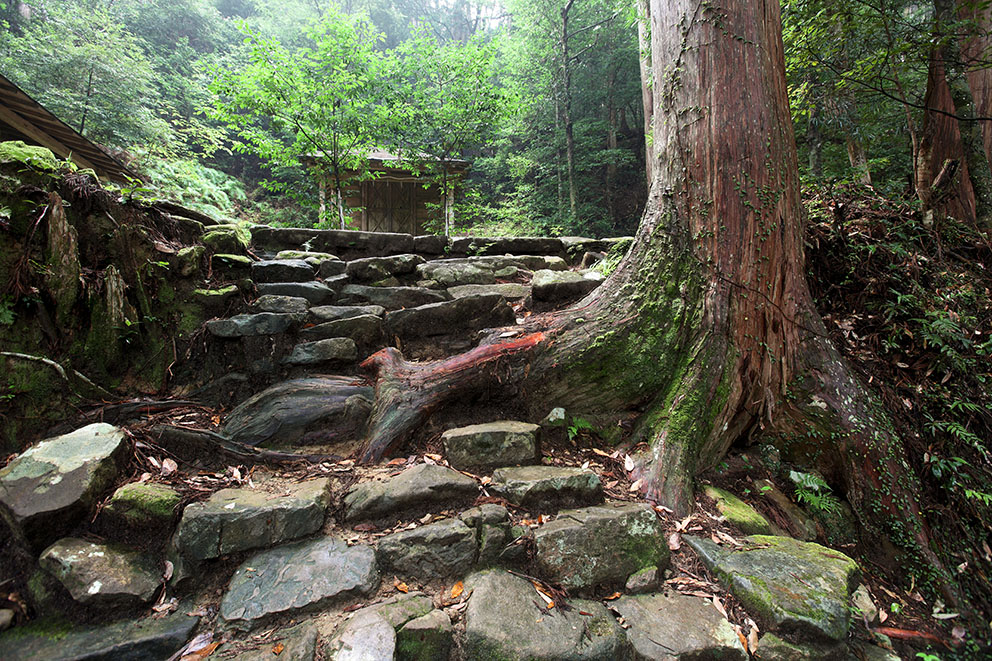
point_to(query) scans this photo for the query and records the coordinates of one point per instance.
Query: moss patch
(738, 513)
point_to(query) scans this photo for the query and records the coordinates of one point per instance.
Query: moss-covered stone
(425, 638)
(773, 648)
(230, 238)
(794, 588)
(141, 504)
(738, 513)
(40, 158)
(187, 260)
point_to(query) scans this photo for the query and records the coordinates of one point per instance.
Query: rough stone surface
(306, 255)
(373, 269)
(364, 329)
(547, 485)
(325, 313)
(488, 514)
(800, 525)
(334, 349)
(794, 588)
(504, 621)
(228, 238)
(367, 636)
(249, 325)
(430, 244)
(314, 410)
(391, 298)
(511, 291)
(773, 648)
(444, 548)
(47, 487)
(282, 270)
(299, 643)
(347, 243)
(233, 520)
(643, 581)
(140, 640)
(100, 575)
(144, 504)
(331, 267)
(738, 513)
(215, 299)
(296, 577)
(863, 605)
(422, 485)
(503, 443)
(315, 292)
(459, 315)
(454, 272)
(280, 304)
(513, 245)
(427, 638)
(665, 628)
(550, 285)
(600, 545)
(6, 618)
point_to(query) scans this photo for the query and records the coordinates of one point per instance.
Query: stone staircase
(490, 547)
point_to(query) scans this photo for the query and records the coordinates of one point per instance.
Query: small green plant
(926, 656)
(578, 427)
(813, 492)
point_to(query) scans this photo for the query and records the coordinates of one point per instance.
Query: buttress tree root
(706, 334)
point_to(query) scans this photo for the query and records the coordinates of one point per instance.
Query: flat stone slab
(365, 329)
(662, 628)
(340, 242)
(139, 640)
(391, 298)
(234, 520)
(422, 485)
(449, 273)
(144, 504)
(503, 245)
(310, 257)
(251, 325)
(331, 350)
(315, 292)
(49, 487)
(502, 443)
(444, 548)
(506, 619)
(331, 267)
(550, 285)
(335, 312)
(280, 304)
(101, 575)
(600, 545)
(531, 486)
(296, 577)
(373, 269)
(282, 270)
(747, 519)
(510, 291)
(426, 638)
(795, 588)
(459, 315)
(316, 411)
(370, 632)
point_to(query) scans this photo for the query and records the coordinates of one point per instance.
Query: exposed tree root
(202, 443)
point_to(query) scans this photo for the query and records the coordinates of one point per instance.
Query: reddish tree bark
(706, 334)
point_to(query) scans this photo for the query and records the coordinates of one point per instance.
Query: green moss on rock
(142, 504)
(748, 520)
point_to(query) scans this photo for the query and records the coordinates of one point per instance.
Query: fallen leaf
(611, 484)
(601, 453)
(628, 463)
(278, 648)
(398, 461)
(945, 616)
(486, 480)
(436, 457)
(169, 569)
(202, 653)
(636, 486)
(683, 524)
(615, 595)
(752, 639)
(882, 616)
(365, 527)
(719, 606)
(457, 589)
(169, 467)
(742, 637)
(401, 586)
(428, 460)
(674, 542)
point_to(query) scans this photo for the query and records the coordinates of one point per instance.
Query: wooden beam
(42, 138)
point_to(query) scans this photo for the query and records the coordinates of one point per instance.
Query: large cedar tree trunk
(706, 333)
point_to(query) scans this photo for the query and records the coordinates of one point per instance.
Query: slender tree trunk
(559, 157)
(706, 333)
(611, 144)
(647, 90)
(86, 103)
(566, 65)
(858, 158)
(814, 135)
(972, 141)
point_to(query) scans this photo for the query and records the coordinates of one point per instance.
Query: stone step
(317, 293)
(282, 270)
(320, 352)
(280, 304)
(365, 330)
(560, 286)
(547, 487)
(100, 575)
(423, 485)
(250, 325)
(511, 291)
(457, 316)
(325, 313)
(346, 243)
(374, 269)
(391, 298)
(491, 445)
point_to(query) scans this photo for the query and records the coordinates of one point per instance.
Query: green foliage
(812, 491)
(195, 185)
(6, 311)
(579, 426)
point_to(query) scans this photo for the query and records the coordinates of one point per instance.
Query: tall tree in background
(706, 334)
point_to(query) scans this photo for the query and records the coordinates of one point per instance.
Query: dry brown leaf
(882, 616)
(169, 467)
(636, 486)
(752, 639)
(615, 595)
(398, 461)
(169, 569)
(674, 542)
(611, 484)
(742, 637)
(401, 586)
(457, 589)
(278, 648)
(628, 463)
(683, 524)
(601, 453)
(719, 606)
